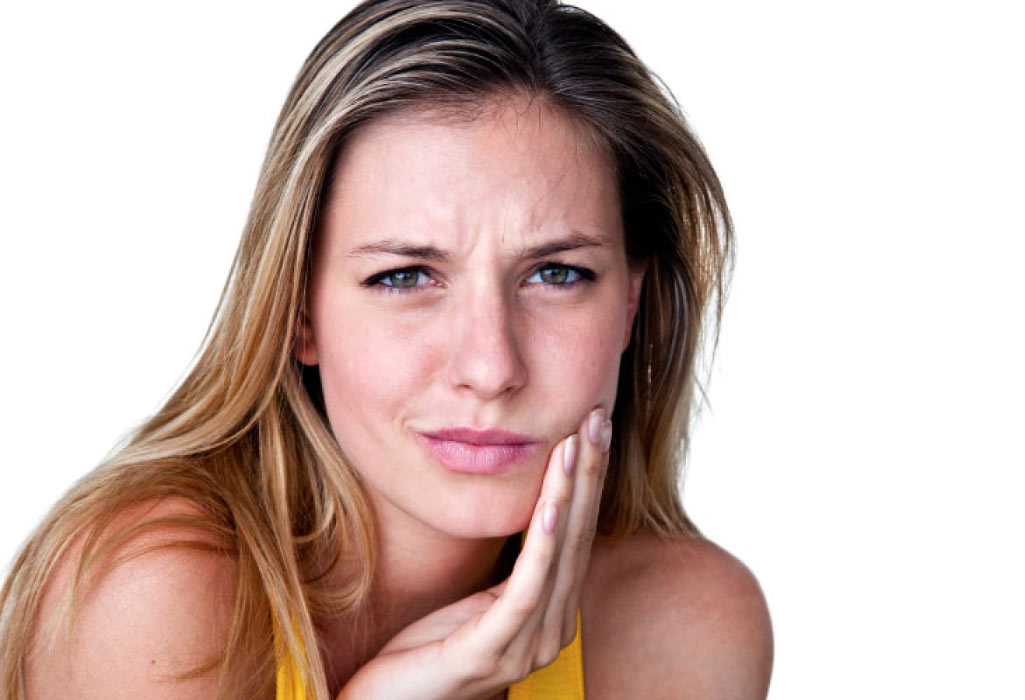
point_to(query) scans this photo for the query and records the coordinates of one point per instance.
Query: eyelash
(585, 276)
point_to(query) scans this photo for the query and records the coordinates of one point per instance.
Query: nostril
(487, 360)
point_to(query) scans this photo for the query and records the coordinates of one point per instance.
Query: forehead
(515, 165)
(519, 115)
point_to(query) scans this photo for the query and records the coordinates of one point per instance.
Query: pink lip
(472, 451)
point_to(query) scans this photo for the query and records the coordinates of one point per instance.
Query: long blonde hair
(245, 437)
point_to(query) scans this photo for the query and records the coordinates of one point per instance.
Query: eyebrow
(391, 246)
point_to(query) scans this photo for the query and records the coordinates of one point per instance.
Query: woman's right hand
(480, 645)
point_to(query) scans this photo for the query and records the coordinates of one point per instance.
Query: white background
(863, 452)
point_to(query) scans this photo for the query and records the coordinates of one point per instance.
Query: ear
(305, 343)
(633, 300)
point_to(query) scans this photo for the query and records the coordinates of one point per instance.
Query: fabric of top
(563, 679)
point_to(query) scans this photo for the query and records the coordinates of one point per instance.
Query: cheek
(367, 368)
(389, 368)
(578, 359)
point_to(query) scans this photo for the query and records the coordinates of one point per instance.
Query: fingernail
(606, 436)
(549, 517)
(594, 424)
(569, 454)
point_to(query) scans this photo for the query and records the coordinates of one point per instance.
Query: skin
(480, 342)
(482, 339)
(485, 344)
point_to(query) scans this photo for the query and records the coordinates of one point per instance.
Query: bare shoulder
(676, 618)
(160, 606)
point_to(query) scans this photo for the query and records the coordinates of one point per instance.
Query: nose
(485, 355)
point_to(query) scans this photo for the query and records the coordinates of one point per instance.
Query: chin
(485, 521)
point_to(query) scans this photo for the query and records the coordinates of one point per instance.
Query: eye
(558, 275)
(405, 279)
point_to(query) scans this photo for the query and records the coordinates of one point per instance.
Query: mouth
(469, 451)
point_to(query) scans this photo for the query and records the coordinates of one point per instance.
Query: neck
(419, 570)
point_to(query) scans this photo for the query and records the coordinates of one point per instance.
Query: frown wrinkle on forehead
(528, 169)
(391, 246)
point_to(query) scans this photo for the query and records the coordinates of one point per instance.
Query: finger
(591, 523)
(519, 608)
(558, 619)
(553, 503)
(575, 552)
(499, 588)
(541, 645)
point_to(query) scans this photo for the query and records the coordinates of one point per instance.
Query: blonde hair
(244, 436)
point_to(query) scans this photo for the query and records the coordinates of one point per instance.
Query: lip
(470, 451)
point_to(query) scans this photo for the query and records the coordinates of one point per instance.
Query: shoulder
(679, 617)
(159, 606)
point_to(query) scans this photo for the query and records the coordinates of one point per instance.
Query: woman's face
(467, 277)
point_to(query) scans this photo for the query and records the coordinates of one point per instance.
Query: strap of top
(289, 683)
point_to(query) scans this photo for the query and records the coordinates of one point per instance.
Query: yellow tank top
(563, 679)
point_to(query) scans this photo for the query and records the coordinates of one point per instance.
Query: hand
(478, 646)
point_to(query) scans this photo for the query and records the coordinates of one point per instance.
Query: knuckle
(591, 466)
(507, 667)
(482, 670)
(584, 537)
(522, 607)
(577, 541)
(563, 501)
(569, 633)
(547, 652)
(478, 673)
(515, 668)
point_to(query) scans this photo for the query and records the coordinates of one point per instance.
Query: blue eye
(412, 279)
(403, 279)
(557, 275)
(406, 279)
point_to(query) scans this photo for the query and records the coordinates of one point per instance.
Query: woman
(466, 305)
